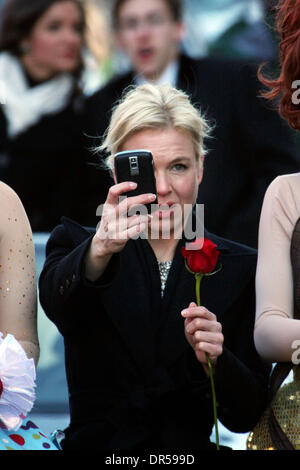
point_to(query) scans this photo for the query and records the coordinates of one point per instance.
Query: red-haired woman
(287, 85)
(277, 329)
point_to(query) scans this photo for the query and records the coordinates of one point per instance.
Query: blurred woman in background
(41, 45)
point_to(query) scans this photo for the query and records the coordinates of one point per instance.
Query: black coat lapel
(134, 301)
(187, 79)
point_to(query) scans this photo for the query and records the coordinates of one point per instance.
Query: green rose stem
(198, 277)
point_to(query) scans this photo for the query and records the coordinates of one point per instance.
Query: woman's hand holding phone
(116, 227)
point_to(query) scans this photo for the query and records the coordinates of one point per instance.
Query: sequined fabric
(164, 268)
(286, 408)
(18, 309)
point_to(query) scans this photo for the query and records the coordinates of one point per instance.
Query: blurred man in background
(250, 144)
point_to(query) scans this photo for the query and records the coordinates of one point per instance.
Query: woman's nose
(72, 37)
(162, 184)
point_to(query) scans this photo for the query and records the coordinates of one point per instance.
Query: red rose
(1, 388)
(201, 256)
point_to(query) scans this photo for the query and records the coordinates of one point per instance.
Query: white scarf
(24, 106)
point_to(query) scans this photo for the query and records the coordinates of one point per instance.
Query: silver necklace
(164, 268)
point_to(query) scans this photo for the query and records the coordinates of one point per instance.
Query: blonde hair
(154, 107)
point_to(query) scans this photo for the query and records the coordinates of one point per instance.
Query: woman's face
(177, 172)
(56, 40)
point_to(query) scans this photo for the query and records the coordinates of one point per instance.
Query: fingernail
(133, 185)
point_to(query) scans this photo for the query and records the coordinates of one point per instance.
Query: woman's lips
(70, 55)
(165, 209)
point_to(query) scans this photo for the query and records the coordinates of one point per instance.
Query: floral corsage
(17, 382)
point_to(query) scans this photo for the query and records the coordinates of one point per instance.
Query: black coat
(44, 164)
(250, 144)
(133, 379)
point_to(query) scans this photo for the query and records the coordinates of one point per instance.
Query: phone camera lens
(134, 166)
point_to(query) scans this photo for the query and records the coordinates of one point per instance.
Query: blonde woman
(135, 340)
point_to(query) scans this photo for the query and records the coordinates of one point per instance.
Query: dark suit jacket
(250, 144)
(134, 381)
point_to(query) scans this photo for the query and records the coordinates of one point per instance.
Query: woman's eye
(179, 167)
(79, 28)
(53, 26)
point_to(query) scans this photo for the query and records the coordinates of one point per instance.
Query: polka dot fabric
(27, 437)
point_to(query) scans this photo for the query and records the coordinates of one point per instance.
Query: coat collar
(187, 79)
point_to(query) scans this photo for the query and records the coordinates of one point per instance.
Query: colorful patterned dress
(17, 395)
(27, 437)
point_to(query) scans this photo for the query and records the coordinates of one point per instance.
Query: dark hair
(288, 26)
(20, 16)
(175, 7)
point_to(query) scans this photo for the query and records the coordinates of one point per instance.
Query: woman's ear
(200, 172)
(180, 32)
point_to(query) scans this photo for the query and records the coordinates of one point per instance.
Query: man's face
(149, 35)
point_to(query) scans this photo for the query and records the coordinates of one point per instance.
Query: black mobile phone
(136, 166)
